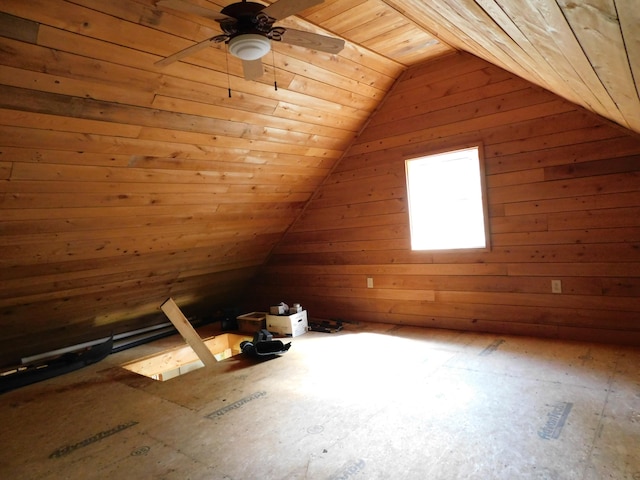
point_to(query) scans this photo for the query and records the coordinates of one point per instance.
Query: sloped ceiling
(124, 182)
(585, 51)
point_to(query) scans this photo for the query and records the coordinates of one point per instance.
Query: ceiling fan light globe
(249, 46)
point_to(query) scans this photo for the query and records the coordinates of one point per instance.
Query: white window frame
(453, 178)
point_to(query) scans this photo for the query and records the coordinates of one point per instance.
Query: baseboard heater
(36, 368)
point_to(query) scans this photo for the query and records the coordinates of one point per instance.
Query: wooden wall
(564, 203)
(123, 182)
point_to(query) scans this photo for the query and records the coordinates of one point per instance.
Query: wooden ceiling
(124, 182)
(586, 51)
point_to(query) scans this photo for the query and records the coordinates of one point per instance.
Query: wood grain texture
(563, 195)
(557, 45)
(123, 182)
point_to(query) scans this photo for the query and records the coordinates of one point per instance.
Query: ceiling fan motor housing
(245, 17)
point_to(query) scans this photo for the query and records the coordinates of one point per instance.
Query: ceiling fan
(249, 29)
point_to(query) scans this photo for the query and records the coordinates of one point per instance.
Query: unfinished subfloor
(370, 402)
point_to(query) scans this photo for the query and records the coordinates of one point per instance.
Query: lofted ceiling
(125, 182)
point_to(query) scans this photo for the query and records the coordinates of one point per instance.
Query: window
(447, 201)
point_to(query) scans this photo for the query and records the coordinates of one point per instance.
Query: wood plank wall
(122, 183)
(564, 203)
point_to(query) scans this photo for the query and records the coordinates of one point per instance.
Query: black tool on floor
(264, 345)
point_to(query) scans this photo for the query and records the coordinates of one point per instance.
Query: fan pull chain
(275, 81)
(228, 78)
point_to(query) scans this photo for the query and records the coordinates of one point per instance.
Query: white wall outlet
(369, 282)
(556, 286)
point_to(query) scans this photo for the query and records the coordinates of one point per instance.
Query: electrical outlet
(369, 282)
(556, 286)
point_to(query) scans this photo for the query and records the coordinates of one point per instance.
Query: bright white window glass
(446, 201)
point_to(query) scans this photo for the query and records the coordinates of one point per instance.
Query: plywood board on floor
(371, 402)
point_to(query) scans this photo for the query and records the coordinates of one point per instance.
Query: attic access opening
(177, 361)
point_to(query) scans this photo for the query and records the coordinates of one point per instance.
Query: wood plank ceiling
(124, 182)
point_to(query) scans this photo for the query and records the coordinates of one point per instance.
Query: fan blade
(187, 51)
(252, 69)
(284, 8)
(314, 41)
(191, 8)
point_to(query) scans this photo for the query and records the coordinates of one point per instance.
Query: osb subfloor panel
(371, 402)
